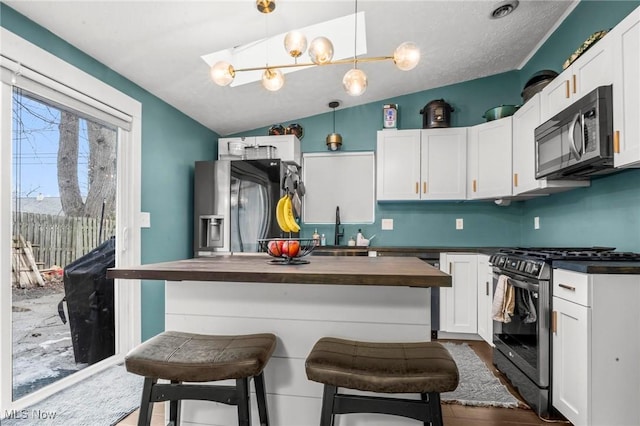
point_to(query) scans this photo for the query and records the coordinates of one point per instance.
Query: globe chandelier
(320, 50)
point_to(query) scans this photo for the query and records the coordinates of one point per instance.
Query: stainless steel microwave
(577, 143)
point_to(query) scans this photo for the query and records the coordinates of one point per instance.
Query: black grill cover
(90, 304)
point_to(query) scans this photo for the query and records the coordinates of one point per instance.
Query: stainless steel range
(523, 345)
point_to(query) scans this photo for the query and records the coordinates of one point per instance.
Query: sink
(340, 251)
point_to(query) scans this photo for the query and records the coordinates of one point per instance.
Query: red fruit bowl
(287, 250)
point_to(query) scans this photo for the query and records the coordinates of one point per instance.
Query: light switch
(387, 224)
(145, 220)
(459, 223)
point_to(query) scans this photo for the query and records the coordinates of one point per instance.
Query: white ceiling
(159, 44)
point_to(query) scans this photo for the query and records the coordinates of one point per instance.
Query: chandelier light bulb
(222, 73)
(321, 50)
(355, 82)
(272, 79)
(406, 56)
(295, 43)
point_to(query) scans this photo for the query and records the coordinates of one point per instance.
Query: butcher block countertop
(348, 270)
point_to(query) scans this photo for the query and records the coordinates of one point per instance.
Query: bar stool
(186, 357)
(424, 368)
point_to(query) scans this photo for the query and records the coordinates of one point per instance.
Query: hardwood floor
(453, 414)
(459, 415)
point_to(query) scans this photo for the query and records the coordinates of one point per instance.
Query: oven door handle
(519, 283)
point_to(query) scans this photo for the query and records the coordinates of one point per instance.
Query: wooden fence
(59, 240)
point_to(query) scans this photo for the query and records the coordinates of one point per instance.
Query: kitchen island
(366, 298)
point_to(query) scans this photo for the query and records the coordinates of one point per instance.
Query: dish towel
(503, 300)
(525, 306)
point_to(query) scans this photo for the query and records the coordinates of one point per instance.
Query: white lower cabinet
(596, 348)
(485, 298)
(459, 303)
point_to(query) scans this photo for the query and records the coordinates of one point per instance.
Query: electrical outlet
(145, 220)
(387, 224)
(536, 222)
(459, 223)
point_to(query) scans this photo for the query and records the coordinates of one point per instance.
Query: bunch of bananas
(284, 215)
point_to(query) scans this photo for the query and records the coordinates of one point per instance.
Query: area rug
(101, 400)
(477, 386)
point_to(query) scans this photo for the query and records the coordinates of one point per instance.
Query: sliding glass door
(63, 195)
(69, 208)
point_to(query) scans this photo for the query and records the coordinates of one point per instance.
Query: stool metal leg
(174, 409)
(435, 409)
(146, 407)
(261, 398)
(244, 409)
(327, 416)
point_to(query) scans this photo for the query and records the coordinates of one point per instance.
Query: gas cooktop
(570, 253)
(536, 262)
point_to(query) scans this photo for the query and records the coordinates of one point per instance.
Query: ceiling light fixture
(504, 8)
(334, 140)
(405, 57)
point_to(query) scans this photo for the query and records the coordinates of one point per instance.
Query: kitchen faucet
(338, 233)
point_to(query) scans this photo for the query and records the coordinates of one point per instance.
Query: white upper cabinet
(287, 147)
(233, 148)
(525, 121)
(626, 91)
(489, 160)
(421, 164)
(398, 165)
(444, 164)
(589, 71)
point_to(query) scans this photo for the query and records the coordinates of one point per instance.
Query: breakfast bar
(358, 297)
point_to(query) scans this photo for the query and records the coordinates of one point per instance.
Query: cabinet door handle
(568, 287)
(616, 142)
(424, 187)
(450, 268)
(417, 187)
(515, 179)
(554, 322)
(575, 84)
(474, 185)
(487, 287)
(566, 85)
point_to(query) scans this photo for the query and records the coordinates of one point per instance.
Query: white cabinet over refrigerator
(283, 147)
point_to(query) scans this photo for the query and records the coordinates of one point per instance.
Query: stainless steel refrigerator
(234, 204)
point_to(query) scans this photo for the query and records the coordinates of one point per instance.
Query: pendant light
(334, 140)
(355, 80)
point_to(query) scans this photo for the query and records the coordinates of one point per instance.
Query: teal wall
(607, 213)
(171, 142)
(422, 223)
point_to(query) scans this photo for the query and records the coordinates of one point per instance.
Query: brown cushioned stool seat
(188, 357)
(424, 368)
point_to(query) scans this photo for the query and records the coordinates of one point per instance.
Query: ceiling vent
(503, 9)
